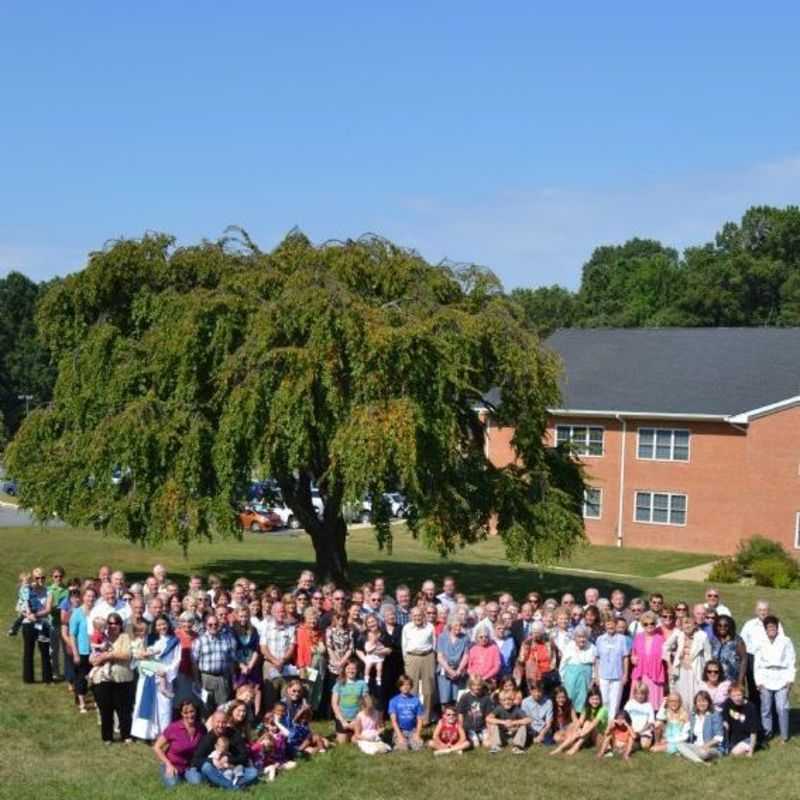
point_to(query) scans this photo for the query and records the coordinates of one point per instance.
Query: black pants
(114, 698)
(29, 637)
(80, 672)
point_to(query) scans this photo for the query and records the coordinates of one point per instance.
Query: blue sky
(508, 135)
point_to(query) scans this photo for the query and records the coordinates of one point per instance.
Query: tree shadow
(475, 580)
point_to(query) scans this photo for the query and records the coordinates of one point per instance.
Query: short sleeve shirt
(473, 711)
(611, 650)
(406, 708)
(350, 694)
(181, 744)
(539, 711)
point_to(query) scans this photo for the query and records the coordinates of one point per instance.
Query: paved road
(14, 518)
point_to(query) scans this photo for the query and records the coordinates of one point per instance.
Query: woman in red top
(310, 656)
(538, 660)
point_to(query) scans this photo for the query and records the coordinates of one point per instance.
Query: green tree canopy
(356, 366)
(24, 364)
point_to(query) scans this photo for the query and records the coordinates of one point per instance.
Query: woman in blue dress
(452, 652)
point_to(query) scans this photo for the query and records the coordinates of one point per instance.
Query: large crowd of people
(225, 681)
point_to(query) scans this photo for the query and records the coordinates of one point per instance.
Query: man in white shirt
(487, 624)
(447, 597)
(713, 603)
(419, 642)
(109, 603)
(754, 635)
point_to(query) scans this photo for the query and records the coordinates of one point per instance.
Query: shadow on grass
(475, 580)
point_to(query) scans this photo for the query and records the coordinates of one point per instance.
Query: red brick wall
(738, 483)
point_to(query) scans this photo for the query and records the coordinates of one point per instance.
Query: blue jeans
(191, 776)
(781, 698)
(215, 777)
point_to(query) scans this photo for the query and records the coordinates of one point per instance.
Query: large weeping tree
(356, 367)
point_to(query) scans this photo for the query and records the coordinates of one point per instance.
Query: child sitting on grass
(507, 724)
(407, 713)
(619, 738)
(672, 725)
(368, 729)
(590, 727)
(448, 735)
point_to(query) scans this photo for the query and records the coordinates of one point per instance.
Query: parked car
(9, 486)
(398, 505)
(259, 521)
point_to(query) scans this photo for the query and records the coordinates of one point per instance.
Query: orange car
(259, 521)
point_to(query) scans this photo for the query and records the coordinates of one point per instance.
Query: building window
(585, 440)
(797, 531)
(660, 508)
(592, 503)
(663, 444)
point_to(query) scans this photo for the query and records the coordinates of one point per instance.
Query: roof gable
(692, 371)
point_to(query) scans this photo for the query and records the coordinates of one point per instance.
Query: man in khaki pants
(507, 724)
(419, 643)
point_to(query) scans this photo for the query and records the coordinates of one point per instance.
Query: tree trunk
(330, 540)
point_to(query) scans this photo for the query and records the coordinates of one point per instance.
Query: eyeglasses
(648, 624)
(112, 622)
(711, 596)
(712, 671)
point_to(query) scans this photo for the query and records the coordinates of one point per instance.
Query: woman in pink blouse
(484, 657)
(647, 658)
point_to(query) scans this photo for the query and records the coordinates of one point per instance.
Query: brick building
(690, 437)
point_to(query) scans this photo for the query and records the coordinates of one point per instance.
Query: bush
(778, 572)
(758, 548)
(726, 570)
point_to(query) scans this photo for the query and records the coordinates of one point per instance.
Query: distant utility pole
(27, 398)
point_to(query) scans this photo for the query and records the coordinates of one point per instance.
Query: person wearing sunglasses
(715, 683)
(113, 687)
(648, 660)
(36, 628)
(713, 603)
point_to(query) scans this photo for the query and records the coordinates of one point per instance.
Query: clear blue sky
(508, 135)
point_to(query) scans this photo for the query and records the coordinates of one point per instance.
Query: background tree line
(749, 275)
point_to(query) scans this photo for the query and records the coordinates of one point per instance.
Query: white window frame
(797, 531)
(599, 502)
(570, 427)
(672, 431)
(669, 495)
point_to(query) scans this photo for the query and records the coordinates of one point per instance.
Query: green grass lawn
(48, 751)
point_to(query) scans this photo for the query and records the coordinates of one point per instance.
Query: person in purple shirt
(176, 745)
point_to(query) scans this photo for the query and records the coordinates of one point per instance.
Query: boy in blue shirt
(406, 712)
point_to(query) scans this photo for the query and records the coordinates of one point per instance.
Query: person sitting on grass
(643, 718)
(590, 727)
(346, 699)
(564, 716)
(706, 733)
(619, 738)
(672, 725)
(507, 724)
(406, 713)
(740, 720)
(368, 725)
(473, 707)
(539, 708)
(449, 736)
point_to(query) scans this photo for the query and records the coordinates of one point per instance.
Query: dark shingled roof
(719, 371)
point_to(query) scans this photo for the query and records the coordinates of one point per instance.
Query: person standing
(613, 657)
(754, 634)
(113, 689)
(419, 643)
(774, 670)
(36, 629)
(647, 658)
(80, 645)
(213, 654)
(58, 593)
